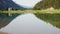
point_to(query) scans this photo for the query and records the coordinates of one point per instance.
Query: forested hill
(44, 4)
(4, 4)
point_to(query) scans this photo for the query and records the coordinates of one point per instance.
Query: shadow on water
(5, 19)
(53, 19)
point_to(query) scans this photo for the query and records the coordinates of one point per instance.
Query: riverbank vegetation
(31, 11)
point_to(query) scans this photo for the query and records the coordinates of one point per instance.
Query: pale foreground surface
(3, 33)
(29, 24)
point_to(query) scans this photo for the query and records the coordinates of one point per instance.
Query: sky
(26, 3)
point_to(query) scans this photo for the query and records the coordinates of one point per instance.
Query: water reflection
(29, 24)
(53, 19)
(5, 19)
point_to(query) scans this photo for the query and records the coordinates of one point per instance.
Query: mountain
(4, 4)
(44, 4)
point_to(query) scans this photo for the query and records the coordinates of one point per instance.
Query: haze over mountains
(27, 3)
(17, 4)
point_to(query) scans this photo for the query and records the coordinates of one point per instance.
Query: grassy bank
(31, 11)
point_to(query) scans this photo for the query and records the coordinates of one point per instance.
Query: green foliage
(44, 4)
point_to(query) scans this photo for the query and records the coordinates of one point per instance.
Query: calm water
(29, 24)
(5, 19)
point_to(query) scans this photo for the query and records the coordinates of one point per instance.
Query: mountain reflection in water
(29, 24)
(5, 19)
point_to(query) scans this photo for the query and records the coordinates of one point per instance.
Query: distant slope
(4, 4)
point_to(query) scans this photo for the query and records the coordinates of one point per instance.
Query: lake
(29, 24)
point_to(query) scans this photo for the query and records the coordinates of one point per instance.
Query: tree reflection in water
(53, 19)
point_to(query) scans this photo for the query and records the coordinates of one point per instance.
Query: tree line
(44, 4)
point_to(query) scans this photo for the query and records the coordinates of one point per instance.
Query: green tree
(44, 4)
